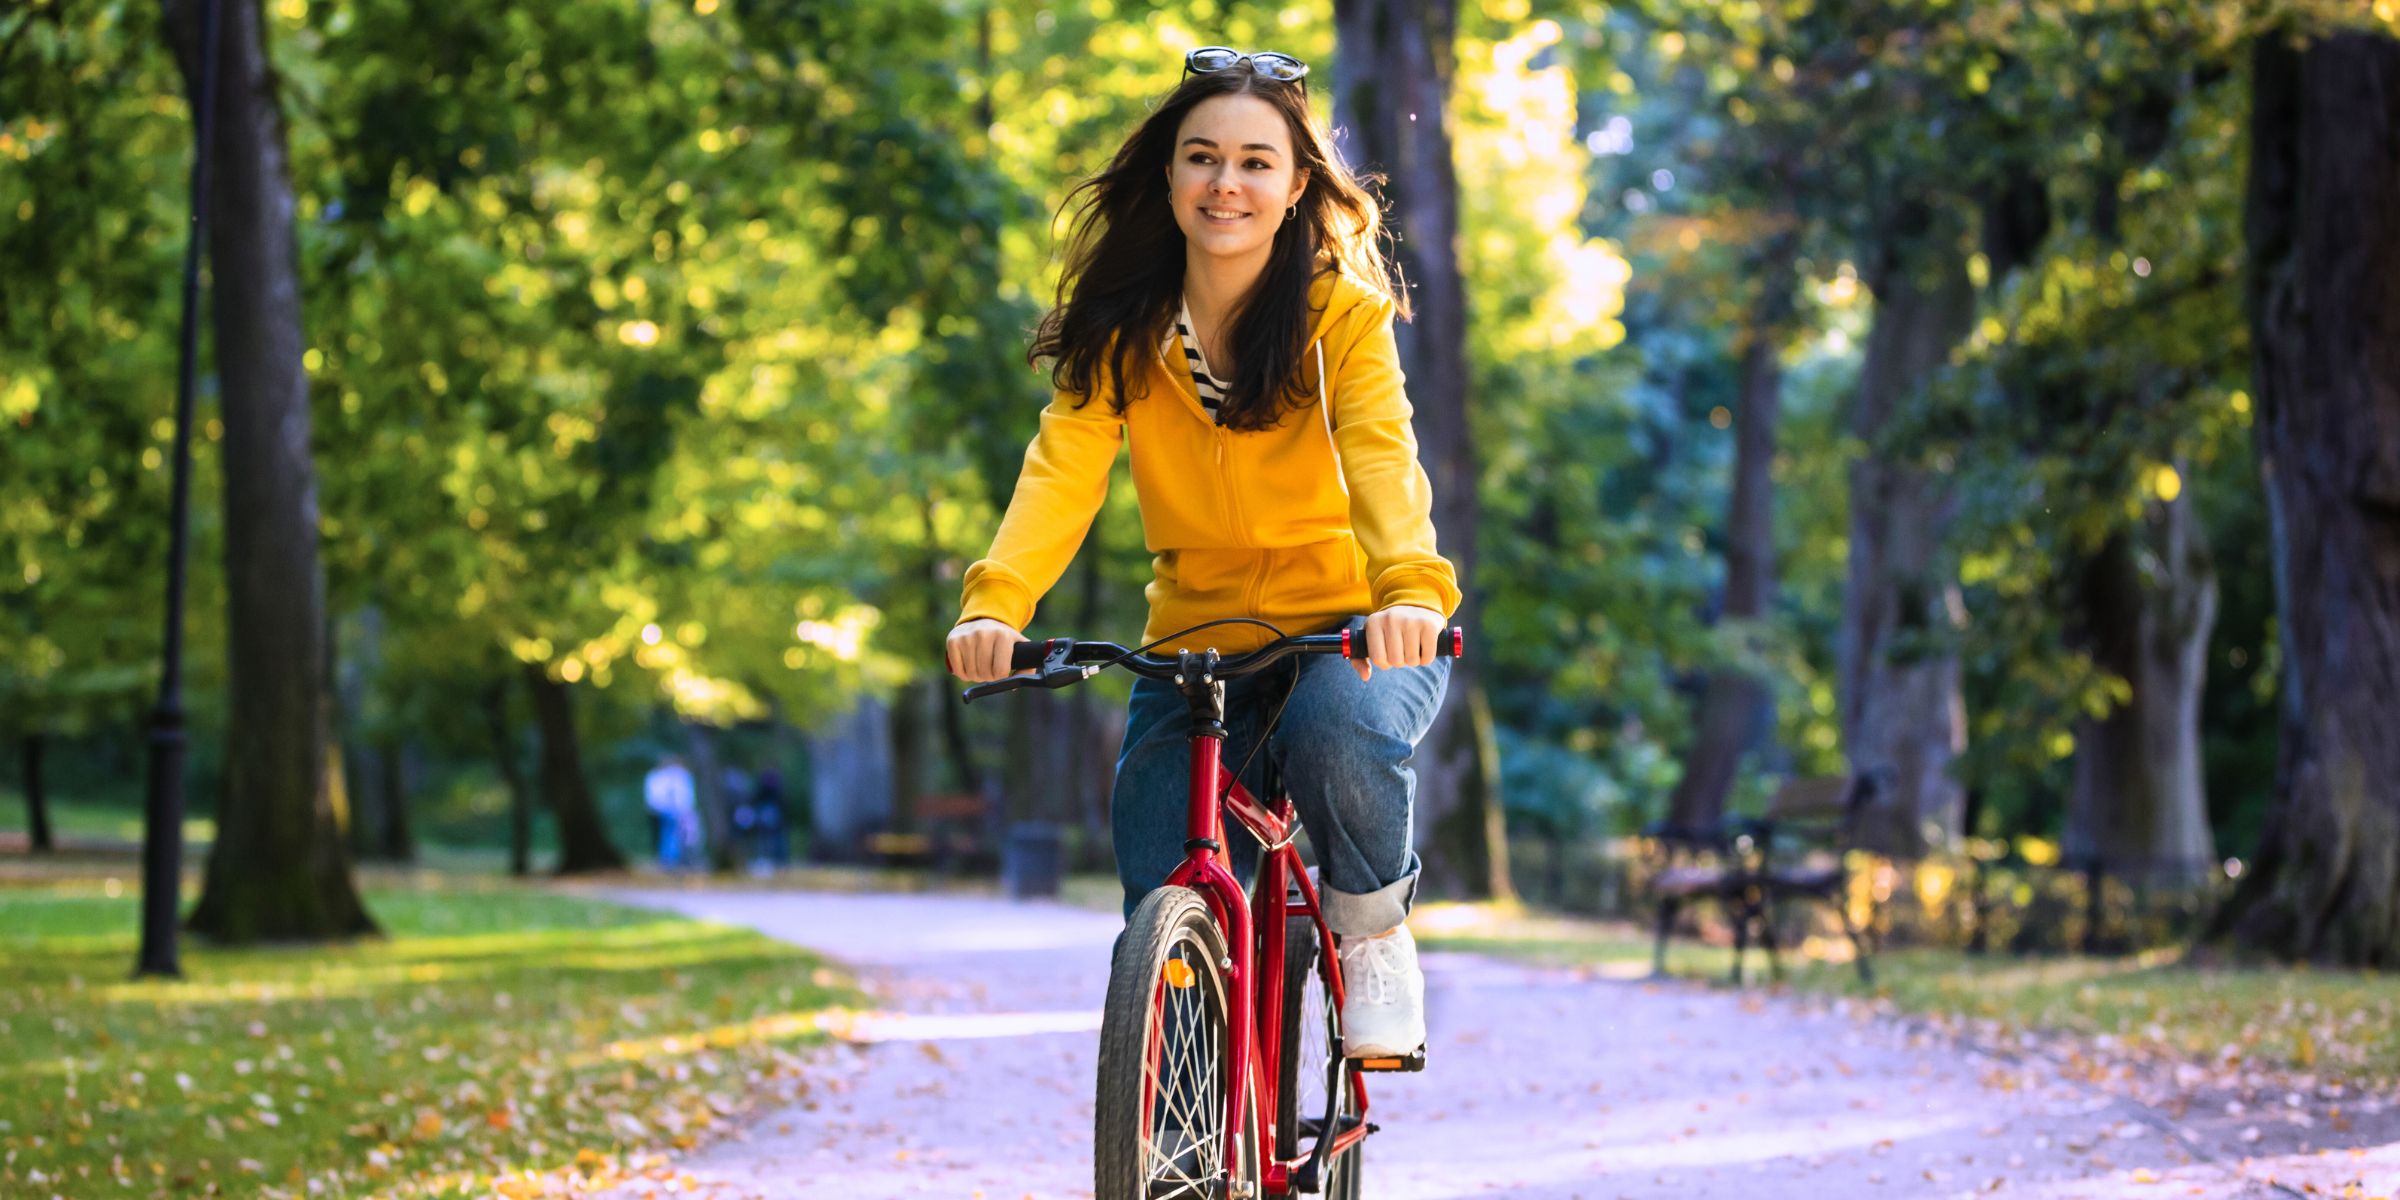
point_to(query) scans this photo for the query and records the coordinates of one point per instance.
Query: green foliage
(2154, 1008)
(2086, 146)
(2109, 369)
(1594, 492)
(678, 348)
(92, 192)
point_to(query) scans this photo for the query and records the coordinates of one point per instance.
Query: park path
(1545, 1084)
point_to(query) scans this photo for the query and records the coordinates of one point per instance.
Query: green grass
(464, 822)
(2340, 1023)
(98, 823)
(498, 1030)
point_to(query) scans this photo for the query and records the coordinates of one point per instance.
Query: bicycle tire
(1312, 1048)
(1158, 1142)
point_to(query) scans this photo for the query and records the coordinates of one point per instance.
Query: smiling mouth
(1222, 214)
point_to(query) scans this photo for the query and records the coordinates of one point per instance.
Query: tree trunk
(708, 791)
(1495, 879)
(583, 844)
(2138, 808)
(1016, 766)
(278, 869)
(402, 764)
(850, 780)
(2324, 248)
(512, 774)
(37, 801)
(1734, 704)
(961, 748)
(352, 651)
(1391, 101)
(908, 754)
(1102, 734)
(1090, 765)
(1903, 716)
(362, 776)
(786, 746)
(377, 794)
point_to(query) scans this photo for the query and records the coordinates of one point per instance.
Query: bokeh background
(1851, 390)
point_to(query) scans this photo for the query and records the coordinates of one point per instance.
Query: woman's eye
(1256, 165)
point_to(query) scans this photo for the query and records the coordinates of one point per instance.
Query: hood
(1333, 295)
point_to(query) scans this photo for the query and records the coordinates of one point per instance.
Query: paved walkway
(1544, 1085)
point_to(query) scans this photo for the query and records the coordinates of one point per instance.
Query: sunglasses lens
(1279, 66)
(1212, 58)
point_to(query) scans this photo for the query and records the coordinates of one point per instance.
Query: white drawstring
(1325, 405)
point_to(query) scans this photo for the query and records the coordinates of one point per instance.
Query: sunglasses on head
(1282, 68)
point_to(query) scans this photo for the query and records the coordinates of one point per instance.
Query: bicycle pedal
(1392, 1062)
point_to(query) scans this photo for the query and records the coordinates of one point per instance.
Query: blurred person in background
(674, 815)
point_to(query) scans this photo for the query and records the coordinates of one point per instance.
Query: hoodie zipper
(1255, 594)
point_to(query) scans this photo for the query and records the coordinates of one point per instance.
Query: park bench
(953, 831)
(1795, 850)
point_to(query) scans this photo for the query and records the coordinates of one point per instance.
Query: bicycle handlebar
(1064, 662)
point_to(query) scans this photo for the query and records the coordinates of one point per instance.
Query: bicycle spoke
(1162, 1125)
(1184, 1079)
(1322, 1104)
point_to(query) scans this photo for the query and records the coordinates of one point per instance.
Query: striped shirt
(1210, 389)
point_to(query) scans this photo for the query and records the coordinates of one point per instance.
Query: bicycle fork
(1208, 869)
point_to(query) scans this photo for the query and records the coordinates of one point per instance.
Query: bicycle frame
(1255, 948)
(1255, 993)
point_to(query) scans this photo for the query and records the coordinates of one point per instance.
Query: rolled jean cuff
(1356, 915)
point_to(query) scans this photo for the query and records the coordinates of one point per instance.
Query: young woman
(1227, 308)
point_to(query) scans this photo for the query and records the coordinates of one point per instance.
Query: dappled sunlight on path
(972, 1075)
(973, 1078)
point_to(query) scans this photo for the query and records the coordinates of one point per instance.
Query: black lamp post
(162, 840)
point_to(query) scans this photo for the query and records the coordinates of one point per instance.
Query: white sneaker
(1383, 1006)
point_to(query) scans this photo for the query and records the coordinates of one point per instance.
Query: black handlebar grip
(1025, 656)
(1451, 644)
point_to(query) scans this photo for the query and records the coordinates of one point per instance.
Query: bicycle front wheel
(1317, 1093)
(1165, 1061)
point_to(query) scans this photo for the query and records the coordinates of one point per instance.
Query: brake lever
(1056, 672)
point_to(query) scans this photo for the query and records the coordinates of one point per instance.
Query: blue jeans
(1343, 748)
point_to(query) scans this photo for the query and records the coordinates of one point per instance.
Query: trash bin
(1032, 860)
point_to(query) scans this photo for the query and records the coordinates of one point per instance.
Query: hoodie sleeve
(1391, 501)
(1059, 491)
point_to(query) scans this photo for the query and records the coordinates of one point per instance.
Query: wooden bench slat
(1689, 881)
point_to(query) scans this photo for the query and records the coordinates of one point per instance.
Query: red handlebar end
(1458, 642)
(1346, 644)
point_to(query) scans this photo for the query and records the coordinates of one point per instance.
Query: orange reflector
(1179, 973)
(1379, 1064)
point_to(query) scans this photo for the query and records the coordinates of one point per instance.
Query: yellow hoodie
(1326, 516)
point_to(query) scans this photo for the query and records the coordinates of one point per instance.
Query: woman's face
(1233, 175)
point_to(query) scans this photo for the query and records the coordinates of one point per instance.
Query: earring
(1291, 212)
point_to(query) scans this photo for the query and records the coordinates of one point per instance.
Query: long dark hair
(1125, 259)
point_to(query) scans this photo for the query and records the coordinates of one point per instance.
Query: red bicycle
(1214, 1014)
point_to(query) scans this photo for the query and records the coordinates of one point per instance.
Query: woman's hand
(1400, 636)
(978, 650)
